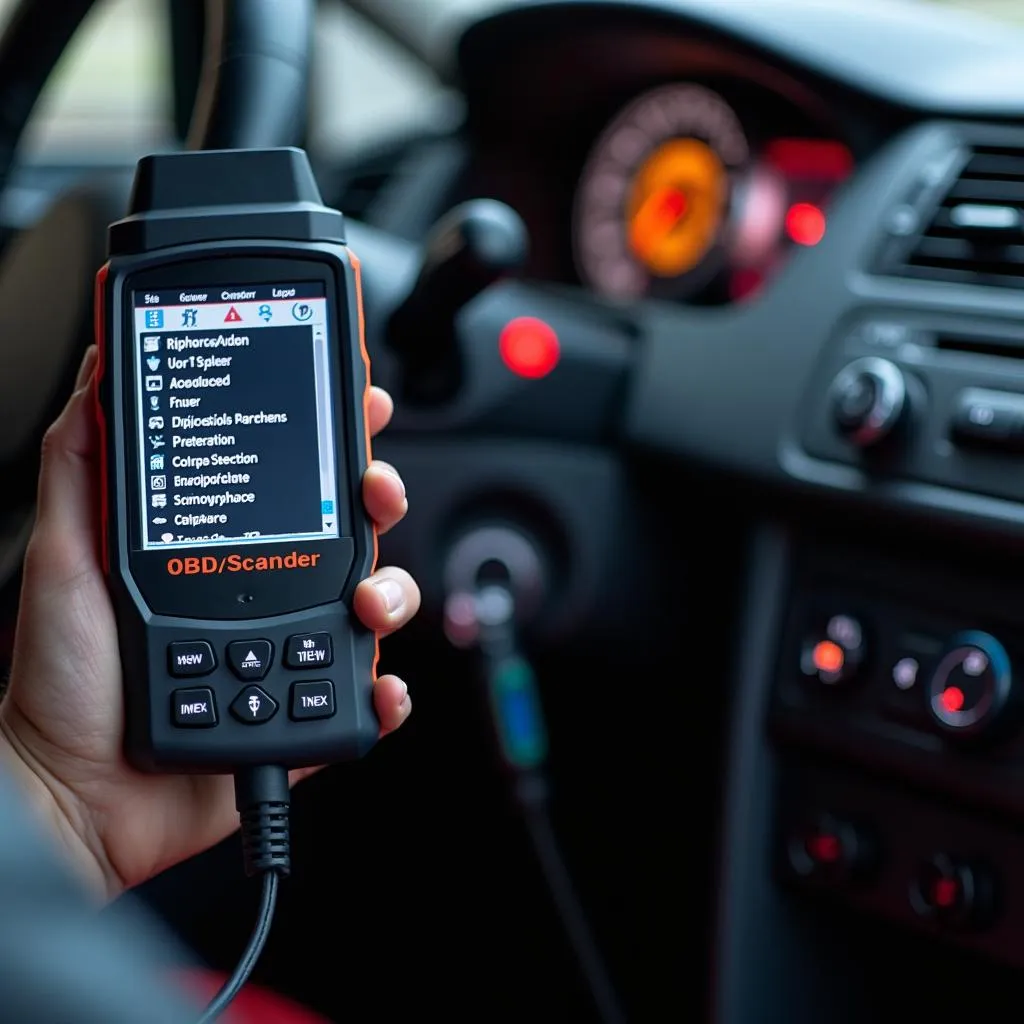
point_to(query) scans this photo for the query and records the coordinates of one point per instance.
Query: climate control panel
(896, 726)
(931, 694)
(963, 686)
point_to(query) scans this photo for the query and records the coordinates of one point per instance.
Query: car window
(111, 93)
(365, 86)
(110, 98)
(1011, 10)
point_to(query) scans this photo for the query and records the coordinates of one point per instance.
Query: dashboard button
(834, 655)
(869, 400)
(829, 849)
(971, 685)
(989, 419)
(906, 678)
(855, 401)
(952, 893)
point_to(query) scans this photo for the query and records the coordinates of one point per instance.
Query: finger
(392, 703)
(87, 367)
(296, 775)
(67, 476)
(384, 495)
(379, 410)
(387, 600)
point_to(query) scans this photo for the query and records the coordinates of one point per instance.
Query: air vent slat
(974, 233)
(943, 249)
(988, 190)
(994, 165)
(978, 220)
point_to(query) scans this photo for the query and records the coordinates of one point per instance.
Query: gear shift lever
(473, 246)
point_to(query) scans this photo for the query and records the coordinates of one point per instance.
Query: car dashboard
(688, 179)
(810, 217)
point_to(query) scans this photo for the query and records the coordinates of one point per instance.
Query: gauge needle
(659, 213)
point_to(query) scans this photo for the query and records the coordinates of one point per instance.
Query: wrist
(58, 811)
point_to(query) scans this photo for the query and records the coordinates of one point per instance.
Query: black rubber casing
(177, 198)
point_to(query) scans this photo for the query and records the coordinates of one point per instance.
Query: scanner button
(193, 709)
(254, 706)
(314, 699)
(309, 650)
(191, 658)
(250, 659)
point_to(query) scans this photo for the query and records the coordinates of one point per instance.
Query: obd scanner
(231, 394)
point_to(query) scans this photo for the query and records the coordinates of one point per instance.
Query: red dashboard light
(828, 657)
(810, 159)
(952, 699)
(825, 848)
(945, 893)
(805, 224)
(529, 347)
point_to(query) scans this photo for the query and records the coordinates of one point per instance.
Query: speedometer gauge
(654, 201)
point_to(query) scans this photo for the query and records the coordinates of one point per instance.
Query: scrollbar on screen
(235, 418)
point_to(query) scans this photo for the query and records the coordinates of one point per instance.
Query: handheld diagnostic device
(231, 394)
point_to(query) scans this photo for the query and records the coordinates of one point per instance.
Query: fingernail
(392, 592)
(405, 694)
(391, 471)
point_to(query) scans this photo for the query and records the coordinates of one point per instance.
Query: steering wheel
(252, 93)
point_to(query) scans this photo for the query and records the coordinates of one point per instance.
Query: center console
(898, 711)
(895, 692)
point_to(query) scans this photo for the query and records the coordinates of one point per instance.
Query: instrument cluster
(690, 197)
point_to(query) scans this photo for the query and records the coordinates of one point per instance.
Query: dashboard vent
(975, 234)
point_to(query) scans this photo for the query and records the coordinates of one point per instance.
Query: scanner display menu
(235, 418)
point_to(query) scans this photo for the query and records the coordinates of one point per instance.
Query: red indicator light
(952, 699)
(828, 656)
(805, 224)
(810, 159)
(529, 347)
(945, 892)
(825, 849)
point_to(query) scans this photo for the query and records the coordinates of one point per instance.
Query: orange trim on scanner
(357, 269)
(100, 337)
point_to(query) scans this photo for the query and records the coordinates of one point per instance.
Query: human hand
(61, 723)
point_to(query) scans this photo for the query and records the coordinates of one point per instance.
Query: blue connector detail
(518, 714)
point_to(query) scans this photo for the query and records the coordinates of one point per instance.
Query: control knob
(970, 688)
(869, 400)
(953, 893)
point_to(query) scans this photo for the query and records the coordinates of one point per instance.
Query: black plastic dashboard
(871, 398)
(903, 85)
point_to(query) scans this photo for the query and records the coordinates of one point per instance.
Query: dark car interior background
(759, 508)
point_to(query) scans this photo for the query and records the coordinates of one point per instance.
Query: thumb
(66, 533)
